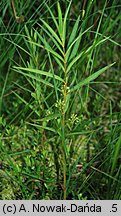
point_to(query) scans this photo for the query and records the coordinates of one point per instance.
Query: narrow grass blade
(19, 47)
(43, 127)
(49, 117)
(26, 103)
(117, 151)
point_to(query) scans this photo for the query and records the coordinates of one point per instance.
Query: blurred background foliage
(30, 156)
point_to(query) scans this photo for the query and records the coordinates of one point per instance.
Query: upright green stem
(63, 126)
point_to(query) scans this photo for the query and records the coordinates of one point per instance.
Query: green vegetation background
(60, 99)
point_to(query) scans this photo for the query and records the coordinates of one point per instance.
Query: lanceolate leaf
(53, 73)
(36, 71)
(59, 63)
(53, 17)
(35, 78)
(72, 36)
(48, 48)
(52, 32)
(64, 22)
(90, 78)
(60, 20)
(75, 43)
(74, 61)
(52, 38)
(74, 31)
